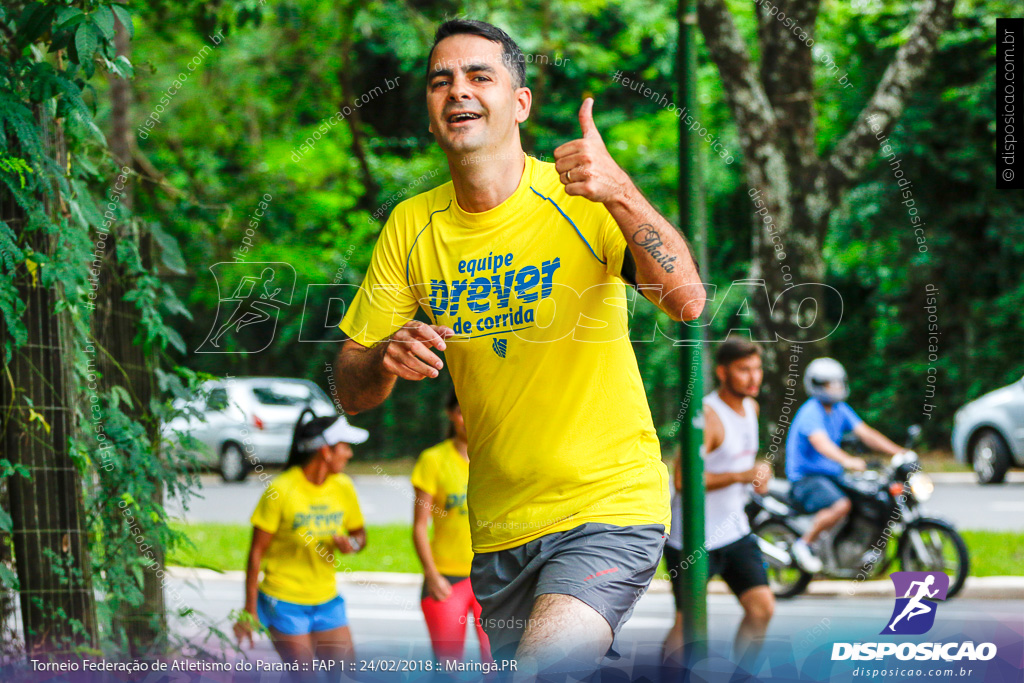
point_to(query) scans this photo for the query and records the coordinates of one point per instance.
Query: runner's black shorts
(740, 564)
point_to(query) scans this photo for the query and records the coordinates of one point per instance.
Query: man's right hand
(408, 353)
(747, 476)
(856, 464)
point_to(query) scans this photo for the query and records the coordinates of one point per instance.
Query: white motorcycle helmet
(825, 380)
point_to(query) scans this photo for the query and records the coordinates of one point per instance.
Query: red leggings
(446, 622)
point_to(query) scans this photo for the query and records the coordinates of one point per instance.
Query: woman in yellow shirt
(440, 479)
(307, 516)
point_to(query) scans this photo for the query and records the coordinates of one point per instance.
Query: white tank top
(724, 518)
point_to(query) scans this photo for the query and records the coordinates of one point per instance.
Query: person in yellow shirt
(307, 517)
(440, 479)
(520, 267)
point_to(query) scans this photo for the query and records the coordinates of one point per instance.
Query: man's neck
(482, 183)
(733, 400)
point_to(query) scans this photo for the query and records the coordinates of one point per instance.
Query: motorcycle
(885, 524)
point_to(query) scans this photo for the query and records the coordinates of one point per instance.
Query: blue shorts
(816, 492)
(292, 619)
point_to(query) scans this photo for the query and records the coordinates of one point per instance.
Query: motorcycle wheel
(944, 550)
(785, 581)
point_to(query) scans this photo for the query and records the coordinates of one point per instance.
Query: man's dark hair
(734, 348)
(511, 55)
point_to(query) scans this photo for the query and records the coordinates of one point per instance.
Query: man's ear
(524, 100)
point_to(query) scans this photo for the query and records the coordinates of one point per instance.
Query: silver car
(247, 421)
(988, 433)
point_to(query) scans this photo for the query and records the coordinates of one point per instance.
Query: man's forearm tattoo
(648, 239)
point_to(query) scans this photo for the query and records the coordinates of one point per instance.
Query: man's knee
(841, 507)
(759, 605)
(761, 612)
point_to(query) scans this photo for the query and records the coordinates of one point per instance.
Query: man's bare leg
(758, 607)
(827, 518)
(672, 649)
(559, 626)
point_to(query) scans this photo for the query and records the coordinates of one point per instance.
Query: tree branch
(906, 71)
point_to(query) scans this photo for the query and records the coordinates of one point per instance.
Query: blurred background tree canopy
(227, 138)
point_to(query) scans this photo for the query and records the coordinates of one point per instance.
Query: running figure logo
(256, 300)
(914, 613)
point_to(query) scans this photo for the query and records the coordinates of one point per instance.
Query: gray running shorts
(606, 566)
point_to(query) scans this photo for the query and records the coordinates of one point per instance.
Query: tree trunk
(48, 522)
(346, 30)
(793, 191)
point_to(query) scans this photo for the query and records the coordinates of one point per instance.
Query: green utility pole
(695, 594)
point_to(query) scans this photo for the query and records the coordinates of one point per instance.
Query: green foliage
(223, 147)
(49, 67)
(970, 255)
(227, 138)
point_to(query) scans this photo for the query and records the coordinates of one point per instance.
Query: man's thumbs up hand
(585, 167)
(586, 115)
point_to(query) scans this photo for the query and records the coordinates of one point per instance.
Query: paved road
(386, 621)
(384, 500)
(388, 500)
(969, 505)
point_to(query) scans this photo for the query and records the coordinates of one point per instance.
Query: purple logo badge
(914, 612)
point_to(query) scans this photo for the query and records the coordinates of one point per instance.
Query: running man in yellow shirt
(520, 267)
(440, 479)
(306, 517)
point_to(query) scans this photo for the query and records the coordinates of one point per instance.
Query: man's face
(836, 391)
(470, 99)
(742, 377)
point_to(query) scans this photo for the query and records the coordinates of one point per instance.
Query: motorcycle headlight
(921, 486)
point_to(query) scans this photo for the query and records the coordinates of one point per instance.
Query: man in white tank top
(730, 470)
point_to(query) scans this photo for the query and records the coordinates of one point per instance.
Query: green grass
(942, 461)
(226, 546)
(995, 553)
(389, 549)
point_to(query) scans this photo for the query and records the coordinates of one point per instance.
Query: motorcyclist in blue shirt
(814, 461)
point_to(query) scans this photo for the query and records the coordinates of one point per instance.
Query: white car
(988, 433)
(246, 421)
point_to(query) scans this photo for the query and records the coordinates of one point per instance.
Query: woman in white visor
(306, 519)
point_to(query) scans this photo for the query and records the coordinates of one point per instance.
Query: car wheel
(990, 457)
(233, 465)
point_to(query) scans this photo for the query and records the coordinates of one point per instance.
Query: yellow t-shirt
(442, 472)
(559, 428)
(300, 564)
